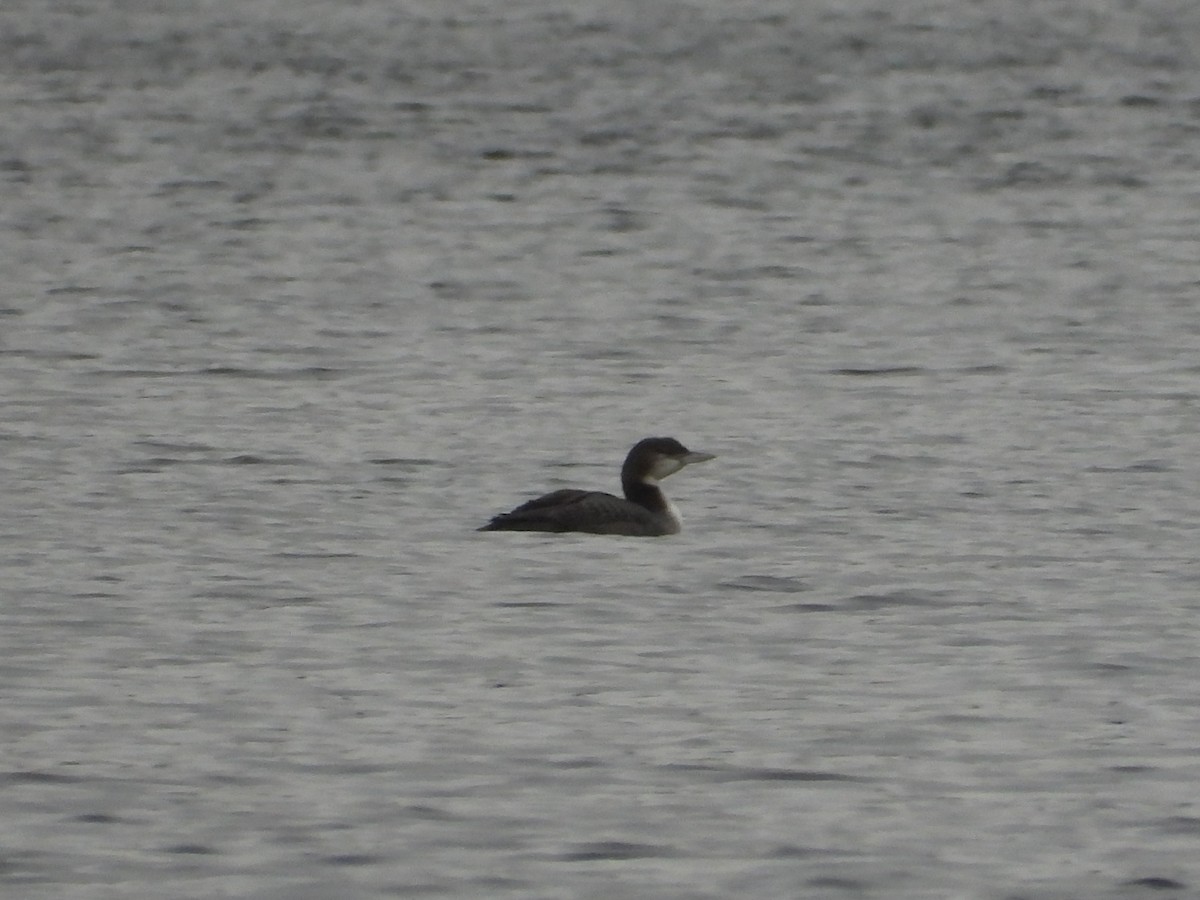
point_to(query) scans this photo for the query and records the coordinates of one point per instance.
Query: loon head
(653, 459)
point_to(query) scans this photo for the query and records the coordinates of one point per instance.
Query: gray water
(298, 294)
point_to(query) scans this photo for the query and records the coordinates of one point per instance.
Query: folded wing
(593, 512)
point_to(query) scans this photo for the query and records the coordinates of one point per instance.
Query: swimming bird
(644, 512)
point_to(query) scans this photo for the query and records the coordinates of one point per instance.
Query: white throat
(673, 514)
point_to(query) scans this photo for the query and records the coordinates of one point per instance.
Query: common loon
(645, 511)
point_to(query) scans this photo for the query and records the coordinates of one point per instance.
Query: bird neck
(645, 494)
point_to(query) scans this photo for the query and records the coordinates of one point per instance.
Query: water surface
(297, 297)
